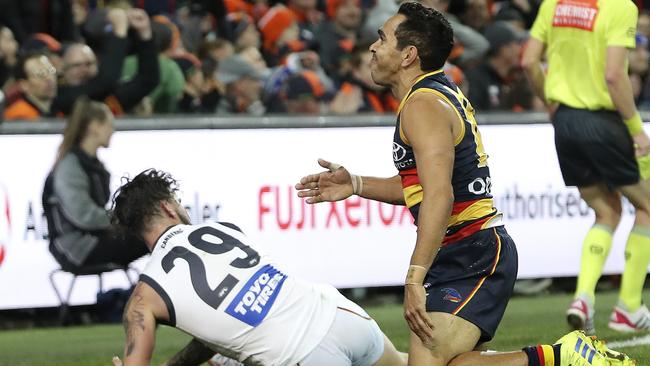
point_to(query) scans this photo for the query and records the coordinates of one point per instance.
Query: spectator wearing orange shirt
(36, 77)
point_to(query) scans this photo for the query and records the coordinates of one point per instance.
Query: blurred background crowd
(255, 57)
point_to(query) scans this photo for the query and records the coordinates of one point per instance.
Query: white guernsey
(239, 303)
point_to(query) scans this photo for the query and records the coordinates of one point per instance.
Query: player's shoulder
(427, 102)
(230, 225)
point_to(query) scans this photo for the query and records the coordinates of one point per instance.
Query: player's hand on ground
(335, 184)
(117, 361)
(641, 144)
(416, 315)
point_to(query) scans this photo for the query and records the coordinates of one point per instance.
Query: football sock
(595, 249)
(543, 355)
(637, 257)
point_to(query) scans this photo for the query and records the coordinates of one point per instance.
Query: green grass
(528, 321)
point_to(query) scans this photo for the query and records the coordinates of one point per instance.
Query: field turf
(528, 320)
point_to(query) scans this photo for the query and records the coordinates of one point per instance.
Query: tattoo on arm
(133, 321)
(195, 353)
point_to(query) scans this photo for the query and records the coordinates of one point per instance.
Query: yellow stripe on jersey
(476, 210)
(549, 357)
(403, 101)
(413, 195)
(461, 133)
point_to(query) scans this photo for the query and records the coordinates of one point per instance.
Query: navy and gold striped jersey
(473, 207)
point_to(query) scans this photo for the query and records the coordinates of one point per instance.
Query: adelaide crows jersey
(224, 292)
(473, 207)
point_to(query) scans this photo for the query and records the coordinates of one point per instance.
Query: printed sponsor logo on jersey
(451, 294)
(399, 152)
(253, 302)
(579, 14)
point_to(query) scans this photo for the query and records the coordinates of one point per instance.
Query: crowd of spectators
(144, 57)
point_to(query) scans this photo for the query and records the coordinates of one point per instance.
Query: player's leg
(468, 287)
(574, 349)
(354, 339)
(630, 314)
(455, 341)
(452, 336)
(595, 249)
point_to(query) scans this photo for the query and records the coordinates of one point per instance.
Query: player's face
(386, 58)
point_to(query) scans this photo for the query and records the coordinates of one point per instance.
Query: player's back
(577, 34)
(224, 292)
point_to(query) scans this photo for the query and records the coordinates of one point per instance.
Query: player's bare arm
(336, 184)
(620, 90)
(142, 312)
(432, 140)
(195, 353)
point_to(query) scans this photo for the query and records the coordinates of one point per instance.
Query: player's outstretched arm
(336, 184)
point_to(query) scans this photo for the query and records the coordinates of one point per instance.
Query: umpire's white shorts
(353, 340)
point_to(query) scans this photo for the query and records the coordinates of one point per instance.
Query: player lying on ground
(208, 282)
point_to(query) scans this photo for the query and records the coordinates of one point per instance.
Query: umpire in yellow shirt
(599, 139)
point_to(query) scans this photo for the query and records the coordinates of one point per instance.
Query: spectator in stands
(470, 45)
(338, 35)
(307, 16)
(297, 62)
(195, 86)
(242, 31)
(494, 84)
(473, 13)
(82, 76)
(8, 55)
(358, 92)
(253, 56)
(243, 87)
(36, 78)
(26, 17)
(169, 89)
(376, 16)
(77, 191)
(281, 35)
(79, 64)
(523, 11)
(42, 42)
(304, 94)
(102, 84)
(218, 50)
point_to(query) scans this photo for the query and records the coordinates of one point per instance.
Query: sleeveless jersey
(227, 294)
(473, 207)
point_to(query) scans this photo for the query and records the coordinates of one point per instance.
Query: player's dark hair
(135, 203)
(427, 30)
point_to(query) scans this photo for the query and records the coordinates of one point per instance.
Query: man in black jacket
(99, 79)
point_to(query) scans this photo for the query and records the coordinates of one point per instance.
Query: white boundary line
(636, 341)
